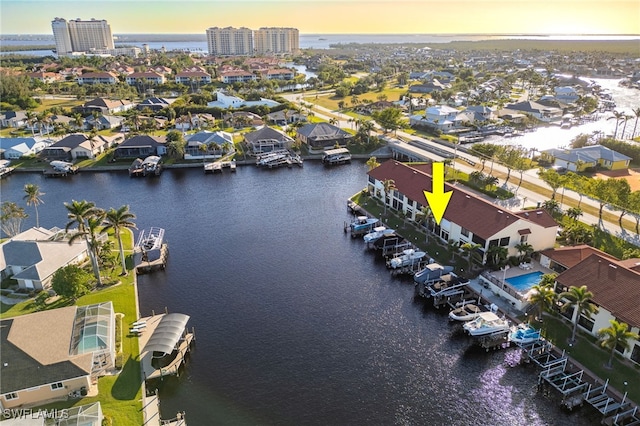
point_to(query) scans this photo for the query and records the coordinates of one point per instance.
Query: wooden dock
(144, 266)
(218, 166)
(6, 171)
(58, 173)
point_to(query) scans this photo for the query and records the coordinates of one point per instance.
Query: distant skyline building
(230, 41)
(276, 41)
(77, 35)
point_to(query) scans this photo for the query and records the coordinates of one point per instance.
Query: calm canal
(296, 323)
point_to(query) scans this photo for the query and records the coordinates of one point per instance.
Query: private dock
(6, 171)
(58, 173)
(217, 166)
(145, 265)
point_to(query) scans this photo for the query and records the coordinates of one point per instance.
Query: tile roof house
(318, 136)
(190, 77)
(489, 224)
(616, 291)
(31, 258)
(267, 139)
(48, 355)
(155, 104)
(562, 258)
(578, 159)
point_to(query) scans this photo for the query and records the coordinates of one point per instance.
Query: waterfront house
(615, 285)
(104, 106)
(75, 146)
(213, 143)
(319, 136)
(33, 256)
(54, 354)
(267, 139)
(239, 119)
(13, 148)
(141, 146)
(488, 225)
(579, 159)
(541, 112)
(97, 78)
(278, 74)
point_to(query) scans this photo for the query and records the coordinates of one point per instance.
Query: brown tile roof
(633, 264)
(481, 217)
(572, 255)
(614, 287)
(539, 216)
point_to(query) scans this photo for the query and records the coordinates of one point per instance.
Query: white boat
(363, 222)
(336, 156)
(62, 166)
(408, 257)
(486, 323)
(466, 312)
(376, 233)
(523, 334)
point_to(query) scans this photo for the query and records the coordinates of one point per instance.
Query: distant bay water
(197, 42)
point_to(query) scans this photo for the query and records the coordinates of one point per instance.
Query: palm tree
(525, 250)
(389, 185)
(616, 335)
(80, 214)
(118, 220)
(372, 163)
(574, 213)
(636, 113)
(32, 196)
(496, 255)
(469, 250)
(543, 298)
(618, 116)
(578, 298)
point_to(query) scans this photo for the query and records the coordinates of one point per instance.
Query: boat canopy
(151, 160)
(168, 333)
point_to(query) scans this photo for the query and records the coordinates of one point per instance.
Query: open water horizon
(297, 323)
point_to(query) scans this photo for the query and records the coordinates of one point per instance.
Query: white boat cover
(167, 334)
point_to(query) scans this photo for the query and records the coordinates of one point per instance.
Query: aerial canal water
(296, 323)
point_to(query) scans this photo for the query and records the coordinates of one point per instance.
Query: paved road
(524, 197)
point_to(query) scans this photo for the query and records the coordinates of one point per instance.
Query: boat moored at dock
(406, 258)
(150, 166)
(523, 334)
(377, 233)
(431, 272)
(486, 323)
(336, 156)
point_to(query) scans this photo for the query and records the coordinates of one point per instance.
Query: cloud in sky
(328, 16)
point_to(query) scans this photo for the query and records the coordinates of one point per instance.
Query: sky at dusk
(333, 17)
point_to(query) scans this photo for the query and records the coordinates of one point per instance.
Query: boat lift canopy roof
(167, 334)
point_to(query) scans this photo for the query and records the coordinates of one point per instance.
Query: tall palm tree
(389, 185)
(32, 196)
(79, 214)
(469, 250)
(574, 213)
(497, 255)
(118, 220)
(618, 116)
(636, 114)
(525, 250)
(617, 334)
(543, 298)
(578, 298)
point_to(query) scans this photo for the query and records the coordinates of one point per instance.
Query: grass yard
(60, 103)
(330, 101)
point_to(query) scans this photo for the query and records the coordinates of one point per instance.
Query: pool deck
(515, 271)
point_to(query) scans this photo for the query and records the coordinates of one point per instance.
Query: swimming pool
(522, 283)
